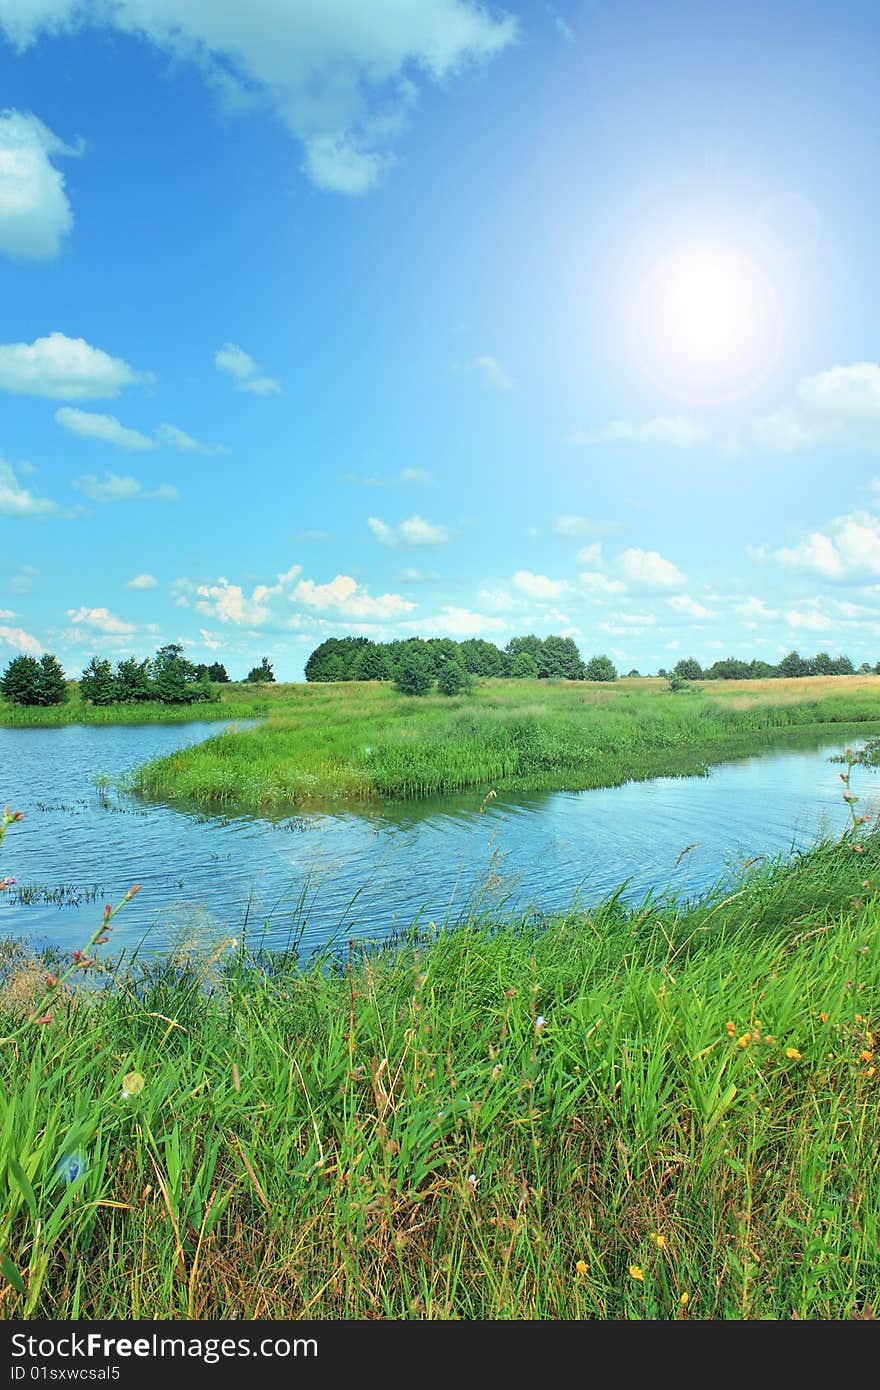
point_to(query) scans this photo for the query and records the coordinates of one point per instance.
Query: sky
(438, 318)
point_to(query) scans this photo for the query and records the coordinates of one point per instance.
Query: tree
(524, 667)
(217, 672)
(688, 668)
(530, 644)
(481, 658)
(174, 677)
(20, 682)
(601, 668)
(413, 672)
(263, 672)
(97, 684)
(453, 679)
(562, 658)
(52, 682)
(371, 664)
(792, 664)
(134, 680)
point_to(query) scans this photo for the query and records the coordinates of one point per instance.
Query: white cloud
(498, 599)
(756, 608)
(648, 569)
(813, 621)
(34, 212)
(173, 438)
(413, 534)
(346, 596)
(597, 583)
(239, 364)
(113, 488)
(538, 585)
(341, 76)
(101, 619)
(458, 622)
(590, 554)
(839, 407)
(22, 641)
(16, 500)
(142, 581)
(415, 475)
(674, 431)
(103, 427)
(493, 373)
(683, 603)
(228, 602)
(849, 550)
(65, 368)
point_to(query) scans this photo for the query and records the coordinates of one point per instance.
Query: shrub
(413, 674)
(524, 667)
(453, 679)
(601, 668)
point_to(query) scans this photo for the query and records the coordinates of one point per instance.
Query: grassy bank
(238, 703)
(350, 742)
(670, 1112)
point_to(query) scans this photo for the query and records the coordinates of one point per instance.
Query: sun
(706, 325)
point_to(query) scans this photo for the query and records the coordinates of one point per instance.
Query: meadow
(326, 744)
(664, 1111)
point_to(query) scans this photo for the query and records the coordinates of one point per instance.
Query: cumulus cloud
(493, 373)
(16, 500)
(756, 608)
(674, 431)
(538, 586)
(413, 534)
(850, 549)
(35, 214)
(573, 527)
(839, 407)
(458, 622)
(110, 487)
(590, 554)
(498, 598)
(241, 366)
(683, 603)
(812, 620)
(342, 77)
(595, 582)
(101, 620)
(104, 427)
(142, 581)
(229, 603)
(344, 595)
(22, 641)
(647, 569)
(65, 368)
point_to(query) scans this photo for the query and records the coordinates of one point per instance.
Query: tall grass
(663, 1112)
(351, 742)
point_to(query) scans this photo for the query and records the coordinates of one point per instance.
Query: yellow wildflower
(866, 1056)
(658, 1240)
(637, 1273)
(744, 1040)
(870, 1072)
(731, 1029)
(685, 1299)
(793, 1053)
(581, 1268)
(823, 1018)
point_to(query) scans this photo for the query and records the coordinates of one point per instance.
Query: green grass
(239, 702)
(349, 743)
(399, 1134)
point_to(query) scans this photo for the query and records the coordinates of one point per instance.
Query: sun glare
(707, 325)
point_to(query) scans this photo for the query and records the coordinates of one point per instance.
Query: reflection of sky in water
(322, 877)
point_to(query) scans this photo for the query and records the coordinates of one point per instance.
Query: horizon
(461, 321)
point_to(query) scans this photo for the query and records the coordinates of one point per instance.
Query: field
(343, 743)
(241, 702)
(664, 1112)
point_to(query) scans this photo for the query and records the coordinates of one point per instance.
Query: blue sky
(423, 316)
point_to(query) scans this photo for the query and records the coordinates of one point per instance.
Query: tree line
(168, 678)
(524, 658)
(793, 664)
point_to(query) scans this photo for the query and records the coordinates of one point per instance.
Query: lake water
(320, 877)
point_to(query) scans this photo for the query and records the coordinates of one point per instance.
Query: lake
(320, 877)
